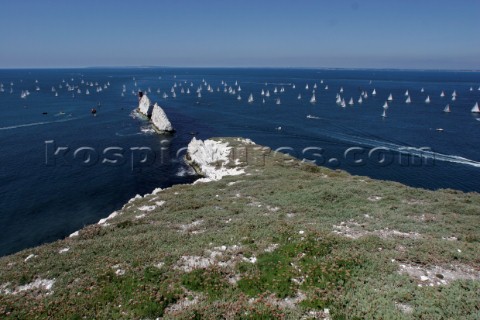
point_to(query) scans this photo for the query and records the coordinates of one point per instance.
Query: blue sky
(431, 34)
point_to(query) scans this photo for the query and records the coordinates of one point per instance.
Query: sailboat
(442, 94)
(299, 96)
(360, 100)
(454, 98)
(306, 87)
(267, 94)
(188, 90)
(454, 93)
(475, 108)
(275, 90)
(263, 101)
(406, 93)
(263, 93)
(239, 97)
(278, 101)
(199, 95)
(239, 89)
(447, 108)
(427, 100)
(313, 99)
(250, 98)
(341, 89)
(422, 90)
(408, 100)
(326, 87)
(315, 86)
(282, 89)
(374, 92)
(343, 104)
(339, 100)
(384, 114)
(471, 88)
(385, 105)
(350, 102)
(293, 86)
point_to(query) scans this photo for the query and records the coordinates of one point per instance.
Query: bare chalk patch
(438, 275)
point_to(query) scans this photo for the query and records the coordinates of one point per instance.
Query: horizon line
(240, 67)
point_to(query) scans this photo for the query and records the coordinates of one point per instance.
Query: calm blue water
(41, 201)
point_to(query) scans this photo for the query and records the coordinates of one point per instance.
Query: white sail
(471, 88)
(442, 94)
(343, 104)
(313, 99)
(406, 93)
(475, 108)
(275, 90)
(263, 101)
(360, 100)
(326, 87)
(188, 90)
(447, 108)
(239, 97)
(250, 98)
(454, 93)
(390, 97)
(282, 89)
(165, 95)
(384, 114)
(422, 90)
(315, 86)
(365, 96)
(339, 100)
(350, 102)
(263, 93)
(385, 105)
(454, 98)
(299, 96)
(341, 89)
(278, 101)
(374, 92)
(306, 87)
(267, 94)
(239, 89)
(427, 100)
(199, 95)
(408, 100)
(293, 86)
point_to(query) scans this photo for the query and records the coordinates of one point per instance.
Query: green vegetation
(286, 240)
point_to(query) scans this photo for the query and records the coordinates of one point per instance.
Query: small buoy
(94, 111)
(44, 112)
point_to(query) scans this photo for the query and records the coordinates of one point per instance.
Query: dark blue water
(44, 197)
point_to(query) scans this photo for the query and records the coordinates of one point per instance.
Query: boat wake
(424, 153)
(35, 124)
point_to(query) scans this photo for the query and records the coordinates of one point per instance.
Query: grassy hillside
(285, 240)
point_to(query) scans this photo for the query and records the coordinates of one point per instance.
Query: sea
(64, 167)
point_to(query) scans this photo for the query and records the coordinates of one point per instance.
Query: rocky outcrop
(155, 113)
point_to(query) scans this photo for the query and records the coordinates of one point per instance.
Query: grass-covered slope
(284, 240)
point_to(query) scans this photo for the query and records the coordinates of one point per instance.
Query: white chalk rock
(144, 105)
(160, 120)
(210, 158)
